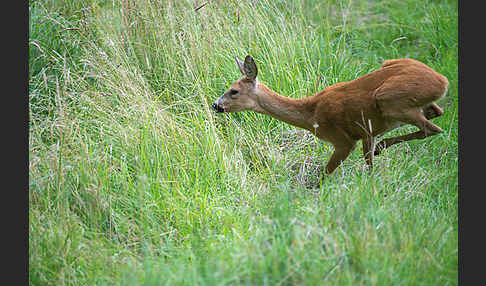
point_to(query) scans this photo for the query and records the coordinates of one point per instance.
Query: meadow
(135, 180)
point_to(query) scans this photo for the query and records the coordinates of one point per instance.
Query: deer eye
(233, 92)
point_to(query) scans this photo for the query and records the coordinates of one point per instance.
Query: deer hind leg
(418, 118)
(432, 111)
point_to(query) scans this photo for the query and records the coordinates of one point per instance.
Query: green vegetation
(135, 181)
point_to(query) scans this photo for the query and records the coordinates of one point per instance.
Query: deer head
(242, 94)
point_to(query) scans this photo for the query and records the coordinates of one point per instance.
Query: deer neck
(297, 112)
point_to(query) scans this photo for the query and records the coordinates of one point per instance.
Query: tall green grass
(135, 181)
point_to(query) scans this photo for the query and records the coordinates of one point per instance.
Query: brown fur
(402, 91)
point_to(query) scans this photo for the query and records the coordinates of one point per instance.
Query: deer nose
(217, 108)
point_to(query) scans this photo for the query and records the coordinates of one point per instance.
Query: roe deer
(401, 91)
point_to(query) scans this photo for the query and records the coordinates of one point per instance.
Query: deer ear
(240, 65)
(250, 68)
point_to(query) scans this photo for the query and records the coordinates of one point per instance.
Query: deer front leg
(369, 150)
(340, 154)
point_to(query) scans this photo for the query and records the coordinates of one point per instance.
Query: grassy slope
(133, 180)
